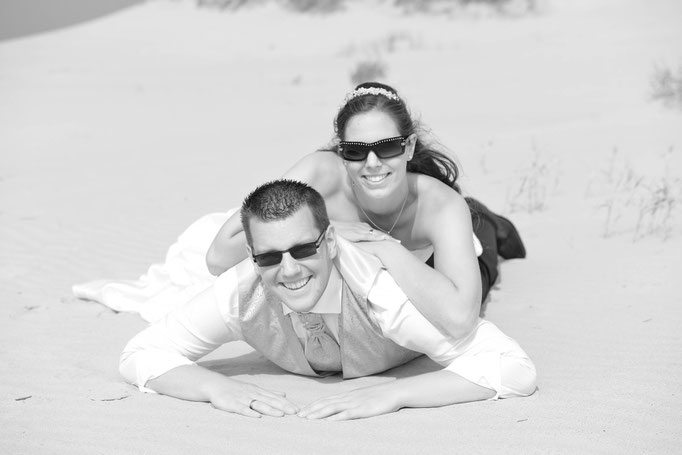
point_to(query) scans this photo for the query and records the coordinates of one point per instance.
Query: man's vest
(364, 349)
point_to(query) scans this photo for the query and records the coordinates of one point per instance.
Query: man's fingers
(354, 411)
(255, 408)
(317, 405)
(241, 409)
(348, 414)
(327, 410)
(276, 402)
(249, 412)
(266, 409)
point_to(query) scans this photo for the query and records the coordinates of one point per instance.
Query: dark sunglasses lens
(354, 153)
(388, 149)
(303, 251)
(268, 259)
(297, 252)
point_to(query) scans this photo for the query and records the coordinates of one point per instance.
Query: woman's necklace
(372, 221)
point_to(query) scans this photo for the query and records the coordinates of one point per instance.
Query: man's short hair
(280, 199)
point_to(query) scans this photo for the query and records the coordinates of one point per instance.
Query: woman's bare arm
(449, 295)
(318, 169)
(228, 247)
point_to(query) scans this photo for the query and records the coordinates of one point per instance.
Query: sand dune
(117, 133)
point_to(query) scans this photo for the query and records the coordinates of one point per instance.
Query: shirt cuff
(143, 366)
(492, 360)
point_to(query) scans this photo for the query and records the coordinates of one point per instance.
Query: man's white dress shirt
(485, 357)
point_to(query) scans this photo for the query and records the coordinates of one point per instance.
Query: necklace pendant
(395, 223)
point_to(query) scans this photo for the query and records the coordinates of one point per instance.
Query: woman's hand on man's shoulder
(356, 231)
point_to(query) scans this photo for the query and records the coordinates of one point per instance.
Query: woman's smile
(376, 178)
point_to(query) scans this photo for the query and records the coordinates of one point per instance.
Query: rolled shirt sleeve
(486, 356)
(188, 333)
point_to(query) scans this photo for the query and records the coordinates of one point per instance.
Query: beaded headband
(371, 91)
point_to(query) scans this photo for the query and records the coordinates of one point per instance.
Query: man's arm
(161, 358)
(195, 383)
(484, 364)
(428, 390)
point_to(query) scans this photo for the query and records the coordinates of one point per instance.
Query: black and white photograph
(340, 226)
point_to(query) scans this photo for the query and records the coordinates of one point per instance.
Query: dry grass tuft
(368, 70)
(636, 204)
(230, 5)
(449, 7)
(299, 6)
(504, 7)
(314, 6)
(393, 42)
(666, 86)
(536, 182)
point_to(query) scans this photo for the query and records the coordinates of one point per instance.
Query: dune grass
(407, 6)
(666, 85)
(634, 203)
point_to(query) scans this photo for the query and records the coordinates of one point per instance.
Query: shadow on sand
(255, 363)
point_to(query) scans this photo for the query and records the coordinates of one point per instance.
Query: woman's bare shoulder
(433, 193)
(322, 170)
(442, 213)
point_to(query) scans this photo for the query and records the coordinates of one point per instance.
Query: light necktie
(321, 350)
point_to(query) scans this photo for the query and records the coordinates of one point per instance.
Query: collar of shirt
(330, 301)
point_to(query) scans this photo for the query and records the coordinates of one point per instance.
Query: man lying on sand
(315, 304)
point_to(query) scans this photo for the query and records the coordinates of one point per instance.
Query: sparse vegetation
(655, 217)
(227, 4)
(393, 42)
(300, 6)
(397, 41)
(511, 7)
(634, 203)
(368, 70)
(666, 86)
(535, 184)
(313, 6)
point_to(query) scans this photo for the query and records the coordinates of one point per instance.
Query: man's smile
(296, 285)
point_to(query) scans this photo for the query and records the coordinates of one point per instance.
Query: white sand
(116, 134)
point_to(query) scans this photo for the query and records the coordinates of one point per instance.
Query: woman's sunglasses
(301, 251)
(383, 149)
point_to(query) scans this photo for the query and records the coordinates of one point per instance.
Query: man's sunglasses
(297, 252)
(385, 148)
